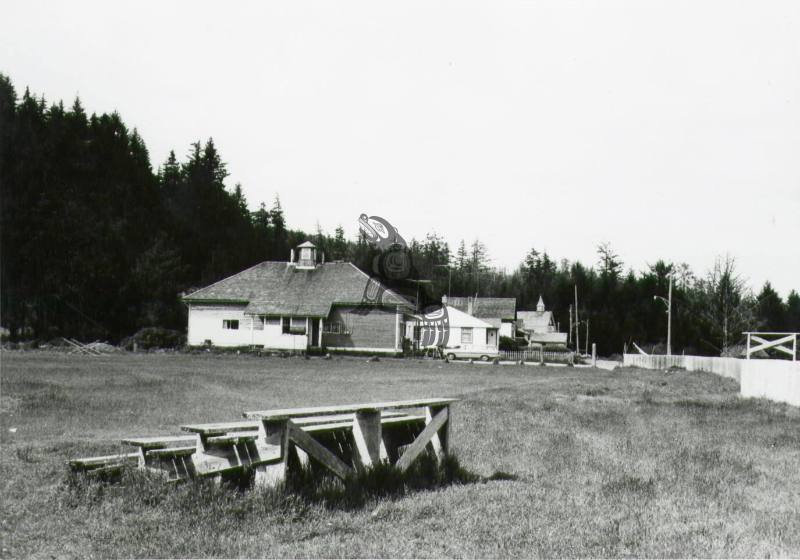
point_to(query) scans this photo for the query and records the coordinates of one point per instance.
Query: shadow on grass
(382, 481)
(305, 486)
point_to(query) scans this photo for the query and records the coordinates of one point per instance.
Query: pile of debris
(95, 348)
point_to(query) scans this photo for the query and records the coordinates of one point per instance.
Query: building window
(231, 324)
(335, 327)
(466, 335)
(294, 325)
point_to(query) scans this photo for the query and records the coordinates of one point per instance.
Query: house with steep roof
(501, 313)
(539, 326)
(296, 305)
(466, 334)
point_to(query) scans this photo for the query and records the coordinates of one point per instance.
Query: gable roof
(535, 319)
(275, 288)
(486, 307)
(458, 318)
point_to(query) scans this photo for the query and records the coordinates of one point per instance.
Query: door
(491, 337)
(314, 333)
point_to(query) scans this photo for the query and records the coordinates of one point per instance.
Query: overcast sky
(668, 129)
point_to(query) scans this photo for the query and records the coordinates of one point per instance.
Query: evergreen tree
(95, 245)
(771, 310)
(793, 312)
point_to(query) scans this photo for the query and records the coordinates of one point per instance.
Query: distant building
(298, 305)
(501, 313)
(539, 326)
(467, 335)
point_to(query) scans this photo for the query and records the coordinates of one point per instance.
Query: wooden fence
(778, 380)
(726, 367)
(536, 355)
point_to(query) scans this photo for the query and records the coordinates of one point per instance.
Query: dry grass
(625, 463)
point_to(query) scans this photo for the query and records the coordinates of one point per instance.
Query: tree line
(96, 244)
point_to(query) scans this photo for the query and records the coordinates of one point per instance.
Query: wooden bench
(103, 465)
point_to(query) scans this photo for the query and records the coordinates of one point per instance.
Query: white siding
(205, 323)
(478, 341)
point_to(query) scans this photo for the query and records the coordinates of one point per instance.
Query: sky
(670, 130)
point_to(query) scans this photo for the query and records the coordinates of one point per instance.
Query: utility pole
(577, 324)
(586, 343)
(668, 303)
(449, 275)
(669, 319)
(569, 337)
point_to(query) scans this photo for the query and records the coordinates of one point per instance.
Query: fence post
(594, 354)
(541, 355)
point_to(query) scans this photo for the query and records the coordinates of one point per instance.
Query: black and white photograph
(369, 279)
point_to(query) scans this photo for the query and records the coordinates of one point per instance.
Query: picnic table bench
(378, 431)
(340, 438)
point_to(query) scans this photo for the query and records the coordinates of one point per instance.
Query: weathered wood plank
(90, 462)
(337, 418)
(172, 452)
(232, 438)
(317, 428)
(367, 436)
(221, 428)
(318, 451)
(422, 440)
(345, 408)
(402, 419)
(435, 440)
(210, 464)
(158, 441)
(276, 434)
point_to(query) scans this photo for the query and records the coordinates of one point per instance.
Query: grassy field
(624, 463)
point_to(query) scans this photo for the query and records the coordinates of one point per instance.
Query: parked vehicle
(472, 352)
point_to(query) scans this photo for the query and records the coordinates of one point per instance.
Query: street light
(668, 303)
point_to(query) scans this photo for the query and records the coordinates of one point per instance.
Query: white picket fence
(778, 380)
(726, 367)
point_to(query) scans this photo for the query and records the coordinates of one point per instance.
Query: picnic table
(341, 438)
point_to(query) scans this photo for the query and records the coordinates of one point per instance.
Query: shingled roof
(486, 307)
(275, 288)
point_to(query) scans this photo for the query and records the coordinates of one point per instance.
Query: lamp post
(668, 303)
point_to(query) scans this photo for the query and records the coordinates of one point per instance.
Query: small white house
(465, 333)
(501, 313)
